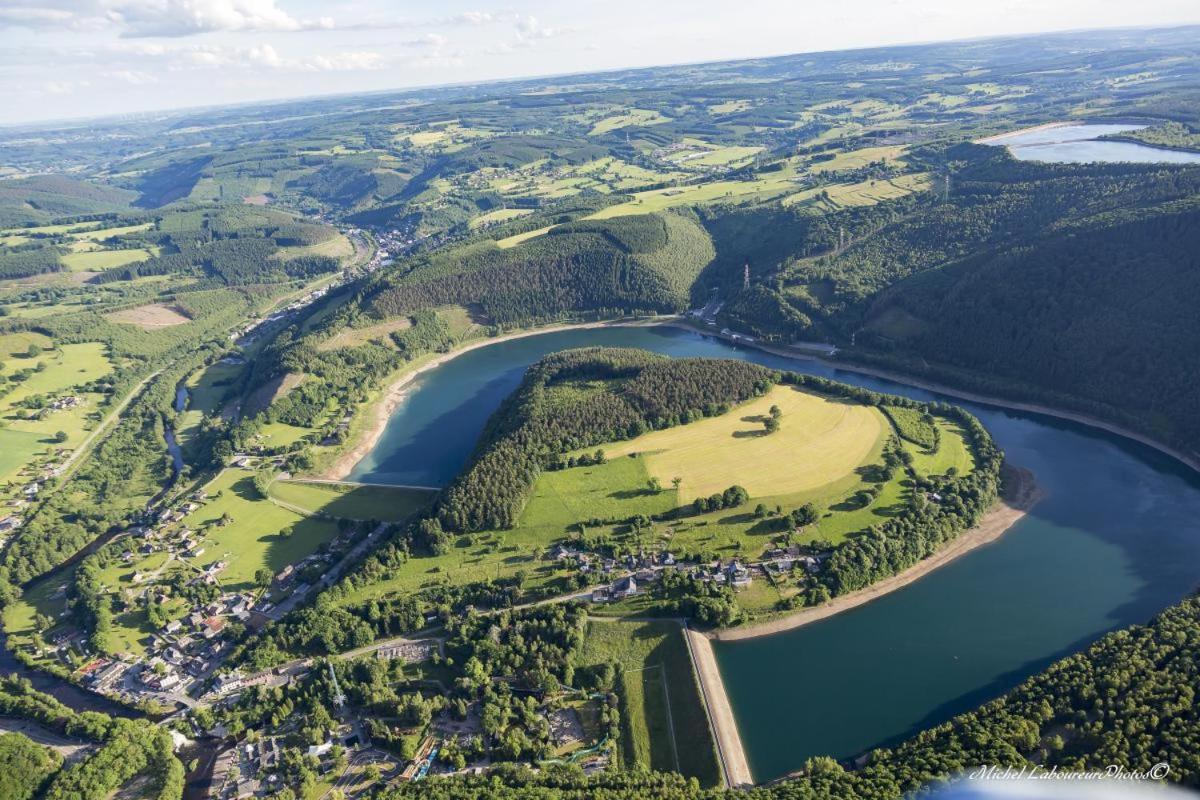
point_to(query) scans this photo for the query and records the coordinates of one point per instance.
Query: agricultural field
(498, 216)
(663, 722)
(634, 116)
(257, 534)
(818, 442)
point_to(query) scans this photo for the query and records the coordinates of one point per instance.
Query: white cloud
(64, 87)
(131, 76)
(187, 17)
(266, 56)
(167, 18)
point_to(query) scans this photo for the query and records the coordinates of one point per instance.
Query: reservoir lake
(1080, 144)
(1113, 542)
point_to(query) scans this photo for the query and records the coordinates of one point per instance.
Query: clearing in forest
(150, 317)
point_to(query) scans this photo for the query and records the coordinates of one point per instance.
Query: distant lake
(1114, 542)
(1081, 144)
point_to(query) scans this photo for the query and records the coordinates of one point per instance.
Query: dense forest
(641, 264)
(125, 749)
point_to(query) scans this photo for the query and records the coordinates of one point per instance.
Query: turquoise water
(1080, 144)
(1114, 542)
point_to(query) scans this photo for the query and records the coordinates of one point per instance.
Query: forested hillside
(631, 264)
(1100, 317)
(1063, 283)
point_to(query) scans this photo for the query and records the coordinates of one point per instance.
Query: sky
(62, 59)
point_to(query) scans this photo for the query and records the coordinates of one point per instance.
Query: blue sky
(79, 58)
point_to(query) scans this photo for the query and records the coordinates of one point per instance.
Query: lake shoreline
(382, 408)
(396, 392)
(1023, 494)
(1045, 126)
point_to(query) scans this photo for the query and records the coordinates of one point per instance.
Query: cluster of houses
(249, 769)
(644, 569)
(33, 479)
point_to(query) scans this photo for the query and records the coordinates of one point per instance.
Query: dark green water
(1114, 542)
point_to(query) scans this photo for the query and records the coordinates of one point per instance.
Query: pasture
(663, 722)
(97, 260)
(634, 116)
(258, 534)
(819, 442)
(68, 366)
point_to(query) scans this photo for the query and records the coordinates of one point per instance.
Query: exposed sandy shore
(735, 769)
(381, 410)
(1022, 493)
(1001, 137)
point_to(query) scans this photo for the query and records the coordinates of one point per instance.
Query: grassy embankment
(663, 723)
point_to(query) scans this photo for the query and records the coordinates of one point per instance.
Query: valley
(817, 424)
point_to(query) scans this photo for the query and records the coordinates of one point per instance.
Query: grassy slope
(352, 502)
(657, 675)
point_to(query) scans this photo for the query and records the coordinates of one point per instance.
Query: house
(739, 576)
(172, 626)
(212, 627)
(10, 523)
(625, 587)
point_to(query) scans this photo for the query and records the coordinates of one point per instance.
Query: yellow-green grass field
(498, 216)
(634, 116)
(18, 448)
(96, 260)
(336, 246)
(863, 193)
(352, 501)
(48, 597)
(352, 337)
(818, 442)
(17, 343)
(854, 159)
(22, 438)
(953, 452)
(663, 723)
(281, 434)
(517, 238)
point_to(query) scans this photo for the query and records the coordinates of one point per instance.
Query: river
(1113, 542)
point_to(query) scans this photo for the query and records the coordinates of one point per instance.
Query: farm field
(663, 722)
(351, 337)
(351, 501)
(97, 260)
(818, 442)
(62, 368)
(498, 216)
(634, 116)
